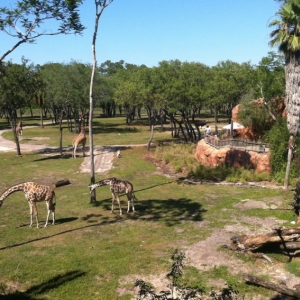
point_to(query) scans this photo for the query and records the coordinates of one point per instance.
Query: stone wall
(210, 156)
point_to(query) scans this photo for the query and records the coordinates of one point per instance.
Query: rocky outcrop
(210, 156)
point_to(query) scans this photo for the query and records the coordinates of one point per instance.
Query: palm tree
(287, 36)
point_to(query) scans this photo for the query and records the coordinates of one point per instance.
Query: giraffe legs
(47, 219)
(74, 150)
(112, 203)
(50, 209)
(33, 210)
(130, 199)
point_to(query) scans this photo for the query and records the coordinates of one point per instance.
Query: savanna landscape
(91, 253)
(199, 231)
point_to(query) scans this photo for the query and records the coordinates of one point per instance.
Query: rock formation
(210, 156)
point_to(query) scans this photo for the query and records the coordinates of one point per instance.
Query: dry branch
(287, 238)
(282, 289)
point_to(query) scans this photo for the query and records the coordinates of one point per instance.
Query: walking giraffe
(36, 193)
(80, 138)
(117, 186)
(19, 129)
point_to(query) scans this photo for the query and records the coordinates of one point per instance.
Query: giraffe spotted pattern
(117, 186)
(34, 193)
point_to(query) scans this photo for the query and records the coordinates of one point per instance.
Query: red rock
(210, 156)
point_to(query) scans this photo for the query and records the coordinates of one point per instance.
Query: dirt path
(103, 155)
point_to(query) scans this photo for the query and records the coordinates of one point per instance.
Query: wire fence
(237, 144)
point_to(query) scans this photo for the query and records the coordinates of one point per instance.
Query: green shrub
(278, 138)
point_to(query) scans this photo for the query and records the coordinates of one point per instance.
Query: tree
(15, 90)
(286, 35)
(25, 20)
(229, 82)
(100, 5)
(269, 77)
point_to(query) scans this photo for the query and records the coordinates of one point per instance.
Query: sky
(150, 31)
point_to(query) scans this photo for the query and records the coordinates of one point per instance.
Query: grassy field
(93, 254)
(107, 131)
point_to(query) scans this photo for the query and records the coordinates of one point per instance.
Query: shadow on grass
(52, 157)
(57, 221)
(104, 221)
(36, 290)
(171, 211)
(118, 130)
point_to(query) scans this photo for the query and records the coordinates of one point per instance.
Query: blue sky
(147, 32)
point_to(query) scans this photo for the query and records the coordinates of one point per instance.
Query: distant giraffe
(19, 129)
(36, 193)
(80, 138)
(117, 186)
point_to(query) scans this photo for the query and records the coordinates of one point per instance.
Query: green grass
(93, 254)
(106, 131)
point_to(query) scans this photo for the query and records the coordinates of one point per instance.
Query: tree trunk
(61, 132)
(99, 5)
(289, 160)
(16, 138)
(292, 78)
(280, 288)
(151, 137)
(41, 114)
(277, 237)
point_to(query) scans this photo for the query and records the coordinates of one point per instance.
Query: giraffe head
(92, 187)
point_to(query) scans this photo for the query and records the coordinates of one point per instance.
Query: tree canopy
(27, 20)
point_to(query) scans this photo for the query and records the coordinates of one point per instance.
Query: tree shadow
(53, 157)
(171, 211)
(117, 130)
(238, 159)
(36, 290)
(104, 221)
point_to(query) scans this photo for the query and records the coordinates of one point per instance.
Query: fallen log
(61, 183)
(290, 246)
(277, 235)
(279, 288)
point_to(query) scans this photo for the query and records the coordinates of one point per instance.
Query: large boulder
(210, 156)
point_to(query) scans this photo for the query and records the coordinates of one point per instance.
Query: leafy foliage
(278, 138)
(25, 20)
(180, 292)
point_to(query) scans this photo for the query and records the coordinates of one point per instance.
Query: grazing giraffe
(19, 129)
(117, 186)
(80, 138)
(36, 193)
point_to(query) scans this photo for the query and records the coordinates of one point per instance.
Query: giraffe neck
(101, 183)
(82, 131)
(13, 189)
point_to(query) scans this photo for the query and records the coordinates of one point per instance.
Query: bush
(278, 138)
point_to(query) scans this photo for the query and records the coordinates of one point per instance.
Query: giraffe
(34, 193)
(80, 138)
(19, 129)
(117, 186)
